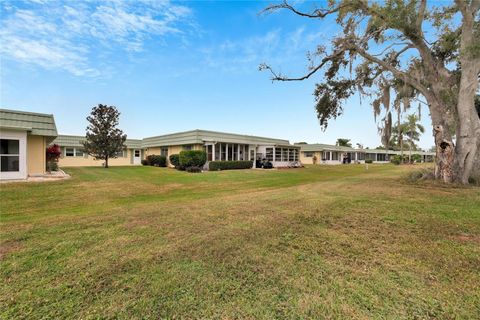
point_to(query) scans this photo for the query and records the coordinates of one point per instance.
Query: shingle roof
(76, 141)
(201, 136)
(39, 124)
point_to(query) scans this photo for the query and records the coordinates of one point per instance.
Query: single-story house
(331, 154)
(219, 146)
(73, 154)
(24, 137)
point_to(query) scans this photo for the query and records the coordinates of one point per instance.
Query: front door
(137, 157)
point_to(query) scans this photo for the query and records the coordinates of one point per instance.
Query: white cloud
(276, 47)
(68, 35)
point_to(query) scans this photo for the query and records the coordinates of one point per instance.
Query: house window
(209, 150)
(119, 154)
(291, 155)
(252, 155)
(74, 152)
(296, 154)
(10, 155)
(335, 155)
(69, 152)
(381, 157)
(164, 151)
(230, 152)
(188, 147)
(79, 152)
(269, 154)
(326, 155)
(278, 154)
(235, 151)
(223, 155)
(361, 156)
(308, 154)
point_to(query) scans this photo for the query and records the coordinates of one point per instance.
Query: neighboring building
(73, 154)
(331, 154)
(219, 146)
(24, 138)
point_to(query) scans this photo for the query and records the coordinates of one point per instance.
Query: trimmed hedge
(174, 160)
(156, 160)
(369, 161)
(192, 158)
(229, 165)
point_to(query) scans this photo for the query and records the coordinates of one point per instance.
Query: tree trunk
(410, 152)
(106, 162)
(401, 150)
(468, 128)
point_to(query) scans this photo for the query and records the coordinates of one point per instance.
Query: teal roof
(39, 124)
(76, 141)
(201, 136)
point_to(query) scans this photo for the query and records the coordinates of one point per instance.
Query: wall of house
(88, 161)
(309, 160)
(36, 155)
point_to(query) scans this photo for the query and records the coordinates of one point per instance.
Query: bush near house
(52, 154)
(416, 157)
(368, 161)
(145, 162)
(175, 160)
(156, 160)
(192, 158)
(229, 165)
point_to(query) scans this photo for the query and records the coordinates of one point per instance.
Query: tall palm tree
(412, 129)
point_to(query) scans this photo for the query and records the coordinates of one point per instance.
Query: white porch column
(330, 156)
(238, 151)
(213, 151)
(254, 156)
(273, 153)
(226, 151)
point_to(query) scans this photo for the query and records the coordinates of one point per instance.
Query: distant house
(219, 146)
(73, 154)
(331, 154)
(24, 137)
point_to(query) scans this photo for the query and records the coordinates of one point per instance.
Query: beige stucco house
(318, 153)
(24, 137)
(219, 146)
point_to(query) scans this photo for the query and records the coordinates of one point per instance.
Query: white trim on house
(21, 137)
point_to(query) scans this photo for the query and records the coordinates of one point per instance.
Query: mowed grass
(330, 242)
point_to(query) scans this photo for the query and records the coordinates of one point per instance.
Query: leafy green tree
(343, 142)
(383, 47)
(104, 140)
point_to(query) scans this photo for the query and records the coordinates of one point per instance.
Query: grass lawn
(320, 242)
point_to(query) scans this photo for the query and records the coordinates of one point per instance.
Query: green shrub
(368, 161)
(416, 158)
(156, 160)
(145, 162)
(174, 160)
(229, 165)
(397, 159)
(52, 166)
(192, 158)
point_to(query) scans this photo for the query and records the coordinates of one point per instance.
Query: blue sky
(171, 66)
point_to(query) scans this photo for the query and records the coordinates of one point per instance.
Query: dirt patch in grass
(8, 247)
(468, 238)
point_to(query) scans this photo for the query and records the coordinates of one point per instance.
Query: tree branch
(279, 77)
(317, 13)
(397, 73)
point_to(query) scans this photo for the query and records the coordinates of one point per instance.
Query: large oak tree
(383, 48)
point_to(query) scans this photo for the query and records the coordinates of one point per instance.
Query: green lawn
(320, 242)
